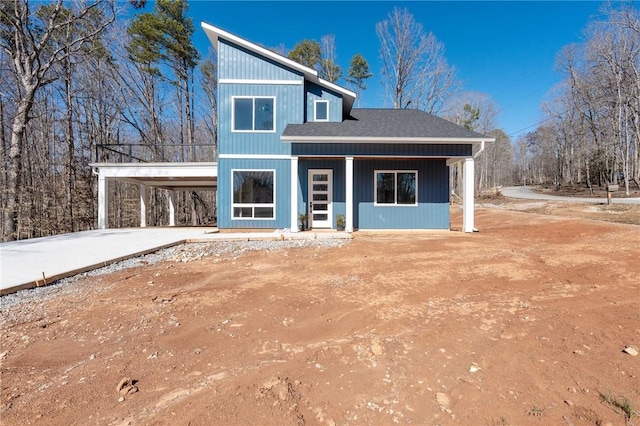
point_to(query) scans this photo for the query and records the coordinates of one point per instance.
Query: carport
(169, 176)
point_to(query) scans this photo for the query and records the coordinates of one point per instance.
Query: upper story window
(253, 114)
(396, 187)
(321, 111)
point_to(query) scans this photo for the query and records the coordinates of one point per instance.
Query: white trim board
(249, 81)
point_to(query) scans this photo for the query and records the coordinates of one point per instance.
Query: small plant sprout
(622, 403)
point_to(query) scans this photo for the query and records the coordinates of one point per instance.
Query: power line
(530, 126)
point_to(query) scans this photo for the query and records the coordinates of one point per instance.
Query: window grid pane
(406, 188)
(263, 114)
(385, 188)
(321, 110)
(243, 114)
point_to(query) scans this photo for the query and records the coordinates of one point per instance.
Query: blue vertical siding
(294, 103)
(364, 149)
(282, 193)
(288, 109)
(235, 62)
(313, 93)
(338, 167)
(432, 211)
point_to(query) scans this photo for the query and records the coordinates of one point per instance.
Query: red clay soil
(522, 323)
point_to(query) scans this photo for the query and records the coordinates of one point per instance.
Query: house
(290, 142)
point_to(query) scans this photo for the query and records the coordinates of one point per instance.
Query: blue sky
(506, 49)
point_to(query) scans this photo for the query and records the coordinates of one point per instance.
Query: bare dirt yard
(522, 323)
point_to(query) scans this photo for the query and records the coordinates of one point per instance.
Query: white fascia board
(348, 96)
(150, 170)
(364, 139)
(156, 165)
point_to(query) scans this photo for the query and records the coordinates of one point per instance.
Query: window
(321, 111)
(251, 114)
(253, 194)
(396, 187)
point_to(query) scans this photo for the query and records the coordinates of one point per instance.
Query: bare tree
(330, 70)
(36, 41)
(478, 112)
(415, 72)
(594, 112)
(208, 81)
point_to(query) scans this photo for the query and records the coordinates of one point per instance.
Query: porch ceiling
(170, 176)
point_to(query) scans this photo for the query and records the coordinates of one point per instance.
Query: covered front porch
(353, 185)
(172, 177)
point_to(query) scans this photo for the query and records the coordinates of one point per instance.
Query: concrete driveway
(526, 193)
(39, 261)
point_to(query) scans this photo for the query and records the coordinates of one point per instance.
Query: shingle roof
(383, 124)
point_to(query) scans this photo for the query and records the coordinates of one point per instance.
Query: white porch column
(294, 194)
(349, 194)
(468, 195)
(144, 195)
(103, 202)
(172, 208)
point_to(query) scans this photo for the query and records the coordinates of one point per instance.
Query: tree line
(81, 84)
(591, 132)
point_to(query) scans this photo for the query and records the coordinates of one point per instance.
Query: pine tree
(307, 53)
(358, 73)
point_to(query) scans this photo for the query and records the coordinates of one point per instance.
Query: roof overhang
(169, 176)
(387, 140)
(214, 33)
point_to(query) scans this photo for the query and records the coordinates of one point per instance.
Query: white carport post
(103, 202)
(294, 194)
(172, 208)
(349, 194)
(468, 195)
(144, 195)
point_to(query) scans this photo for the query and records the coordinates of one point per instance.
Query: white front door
(320, 198)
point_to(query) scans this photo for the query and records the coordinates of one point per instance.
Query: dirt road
(523, 323)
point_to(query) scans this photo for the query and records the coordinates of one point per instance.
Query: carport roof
(384, 125)
(170, 176)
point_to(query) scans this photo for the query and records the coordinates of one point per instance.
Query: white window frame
(253, 121)
(254, 205)
(315, 109)
(395, 203)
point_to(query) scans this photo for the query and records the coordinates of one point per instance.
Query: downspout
(474, 156)
(479, 151)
